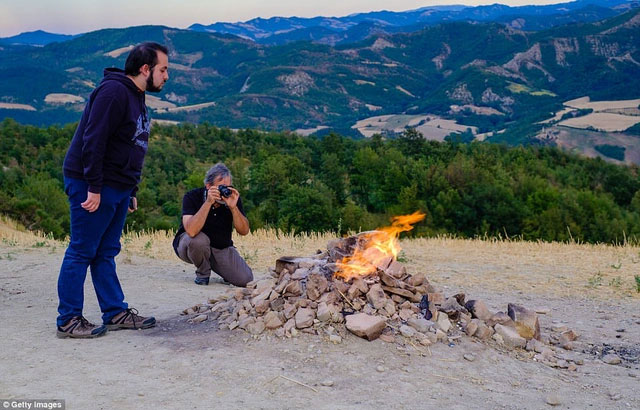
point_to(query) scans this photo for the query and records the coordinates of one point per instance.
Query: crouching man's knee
(200, 241)
(242, 277)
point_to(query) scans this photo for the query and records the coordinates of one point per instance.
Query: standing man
(102, 170)
(204, 239)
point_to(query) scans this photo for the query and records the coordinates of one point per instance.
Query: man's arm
(240, 222)
(105, 111)
(193, 223)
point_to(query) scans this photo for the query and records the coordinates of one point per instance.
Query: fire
(378, 248)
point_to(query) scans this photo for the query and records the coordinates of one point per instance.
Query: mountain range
(356, 27)
(492, 77)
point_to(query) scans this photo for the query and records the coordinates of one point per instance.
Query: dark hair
(144, 53)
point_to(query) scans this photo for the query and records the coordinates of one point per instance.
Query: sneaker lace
(133, 314)
(84, 323)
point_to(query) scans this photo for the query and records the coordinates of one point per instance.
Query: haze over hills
(491, 78)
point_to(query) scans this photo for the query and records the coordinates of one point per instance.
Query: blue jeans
(95, 242)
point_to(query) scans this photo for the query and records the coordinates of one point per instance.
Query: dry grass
(602, 121)
(554, 269)
(10, 106)
(494, 265)
(62, 98)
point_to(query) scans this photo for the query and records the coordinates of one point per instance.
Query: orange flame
(380, 247)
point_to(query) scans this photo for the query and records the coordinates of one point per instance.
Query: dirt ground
(178, 365)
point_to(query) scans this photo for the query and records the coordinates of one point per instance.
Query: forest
(340, 184)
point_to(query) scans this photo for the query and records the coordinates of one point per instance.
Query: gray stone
(451, 307)
(535, 345)
(468, 356)
(611, 359)
(478, 309)
(300, 273)
(264, 295)
(380, 369)
(483, 332)
(290, 325)
(567, 336)
(501, 318)
(327, 383)
(316, 285)
(304, 318)
(262, 306)
(294, 288)
(552, 399)
(525, 320)
(272, 320)
(377, 297)
(471, 328)
(289, 310)
(365, 326)
(307, 263)
(256, 328)
(265, 284)
(420, 324)
(396, 269)
(436, 298)
(324, 314)
(335, 339)
(443, 323)
(407, 331)
(199, 319)
(510, 336)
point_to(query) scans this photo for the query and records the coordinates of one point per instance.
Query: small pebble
(469, 357)
(380, 369)
(327, 383)
(611, 359)
(552, 400)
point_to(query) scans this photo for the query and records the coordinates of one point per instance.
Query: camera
(224, 191)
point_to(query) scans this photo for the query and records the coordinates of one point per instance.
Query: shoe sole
(64, 335)
(121, 327)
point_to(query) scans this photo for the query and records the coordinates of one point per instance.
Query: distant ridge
(356, 27)
(36, 38)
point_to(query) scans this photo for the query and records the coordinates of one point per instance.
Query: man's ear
(145, 70)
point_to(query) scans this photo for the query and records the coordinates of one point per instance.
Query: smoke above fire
(377, 249)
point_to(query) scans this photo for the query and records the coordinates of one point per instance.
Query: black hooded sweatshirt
(111, 140)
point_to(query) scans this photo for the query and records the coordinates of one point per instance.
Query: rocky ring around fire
(305, 295)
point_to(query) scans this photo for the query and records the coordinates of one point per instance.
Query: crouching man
(204, 237)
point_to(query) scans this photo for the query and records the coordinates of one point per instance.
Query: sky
(81, 16)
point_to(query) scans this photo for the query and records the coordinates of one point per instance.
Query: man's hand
(92, 203)
(232, 200)
(213, 195)
(133, 204)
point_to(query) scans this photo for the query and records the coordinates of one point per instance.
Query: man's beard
(151, 87)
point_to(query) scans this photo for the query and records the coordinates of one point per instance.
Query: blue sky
(79, 16)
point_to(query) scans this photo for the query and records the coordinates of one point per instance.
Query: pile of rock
(306, 294)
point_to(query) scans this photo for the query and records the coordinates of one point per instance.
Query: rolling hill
(489, 76)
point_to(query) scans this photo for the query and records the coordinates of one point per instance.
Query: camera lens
(224, 191)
